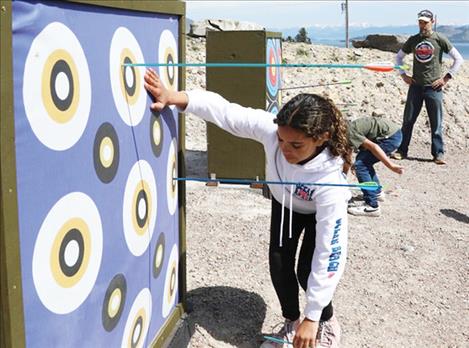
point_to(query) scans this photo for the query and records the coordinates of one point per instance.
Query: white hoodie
(328, 203)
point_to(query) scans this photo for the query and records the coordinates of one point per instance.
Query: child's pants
(364, 165)
(282, 259)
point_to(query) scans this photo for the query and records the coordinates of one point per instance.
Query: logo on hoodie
(334, 257)
(304, 192)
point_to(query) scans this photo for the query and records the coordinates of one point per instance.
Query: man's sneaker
(328, 334)
(364, 210)
(439, 159)
(286, 333)
(398, 156)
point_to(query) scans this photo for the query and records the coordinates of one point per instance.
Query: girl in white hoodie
(306, 142)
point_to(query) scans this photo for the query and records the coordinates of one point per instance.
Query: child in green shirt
(374, 139)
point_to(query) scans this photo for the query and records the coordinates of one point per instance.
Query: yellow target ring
(171, 173)
(156, 132)
(128, 93)
(57, 87)
(171, 282)
(170, 71)
(135, 339)
(159, 256)
(114, 303)
(141, 219)
(106, 152)
(60, 64)
(58, 262)
(139, 207)
(138, 321)
(129, 78)
(67, 253)
(168, 54)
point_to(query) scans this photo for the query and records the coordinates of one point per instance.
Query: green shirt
(428, 56)
(371, 128)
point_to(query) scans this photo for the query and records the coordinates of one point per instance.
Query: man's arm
(399, 61)
(457, 61)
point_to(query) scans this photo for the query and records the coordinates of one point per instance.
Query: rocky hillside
(370, 92)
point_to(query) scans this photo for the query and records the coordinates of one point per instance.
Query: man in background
(426, 83)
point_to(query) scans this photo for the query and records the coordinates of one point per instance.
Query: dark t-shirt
(370, 128)
(428, 56)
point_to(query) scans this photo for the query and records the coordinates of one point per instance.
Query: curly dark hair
(314, 115)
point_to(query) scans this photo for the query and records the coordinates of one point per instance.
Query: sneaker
(328, 334)
(364, 210)
(358, 199)
(398, 156)
(286, 333)
(439, 159)
(356, 203)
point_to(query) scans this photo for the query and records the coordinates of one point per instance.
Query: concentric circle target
(138, 321)
(127, 81)
(106, 152)
(171, 282)
(57, 87)
(114, 302)
(168, 54)
(156, 134)
(67, 253)
(139, 208)
(172, 172)
(158, 256)
(273, 73)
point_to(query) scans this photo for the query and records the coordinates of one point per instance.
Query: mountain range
(454, 33)
(317, 33)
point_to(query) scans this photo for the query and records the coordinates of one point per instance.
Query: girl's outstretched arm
(163, 96)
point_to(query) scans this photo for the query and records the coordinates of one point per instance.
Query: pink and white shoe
(286, 334)
(328, 333)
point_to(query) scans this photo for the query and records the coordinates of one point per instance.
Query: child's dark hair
(315, 115)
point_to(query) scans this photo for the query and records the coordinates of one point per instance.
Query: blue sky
(287, 14)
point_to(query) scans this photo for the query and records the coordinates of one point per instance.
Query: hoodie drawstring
(283, 215)
(290, 222)
(291, 212)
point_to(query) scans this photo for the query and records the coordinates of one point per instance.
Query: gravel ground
(406, 281)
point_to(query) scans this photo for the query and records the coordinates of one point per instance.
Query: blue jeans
(364, 165)
(434, 105)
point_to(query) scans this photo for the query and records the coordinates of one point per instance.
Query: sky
(289, 14)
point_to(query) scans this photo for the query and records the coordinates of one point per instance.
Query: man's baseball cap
(425, 15)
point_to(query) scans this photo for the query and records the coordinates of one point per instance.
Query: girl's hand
(306, 333)
(156, 88)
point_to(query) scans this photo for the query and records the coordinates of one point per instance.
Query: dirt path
(405, 282)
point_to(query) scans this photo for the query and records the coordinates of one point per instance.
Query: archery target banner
(98, 212)
(273, 77)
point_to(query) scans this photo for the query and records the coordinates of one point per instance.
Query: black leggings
(282, 259)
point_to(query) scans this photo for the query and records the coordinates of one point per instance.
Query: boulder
(383, 42)
(199, 28)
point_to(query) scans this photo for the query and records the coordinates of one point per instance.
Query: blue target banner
(97, 207)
